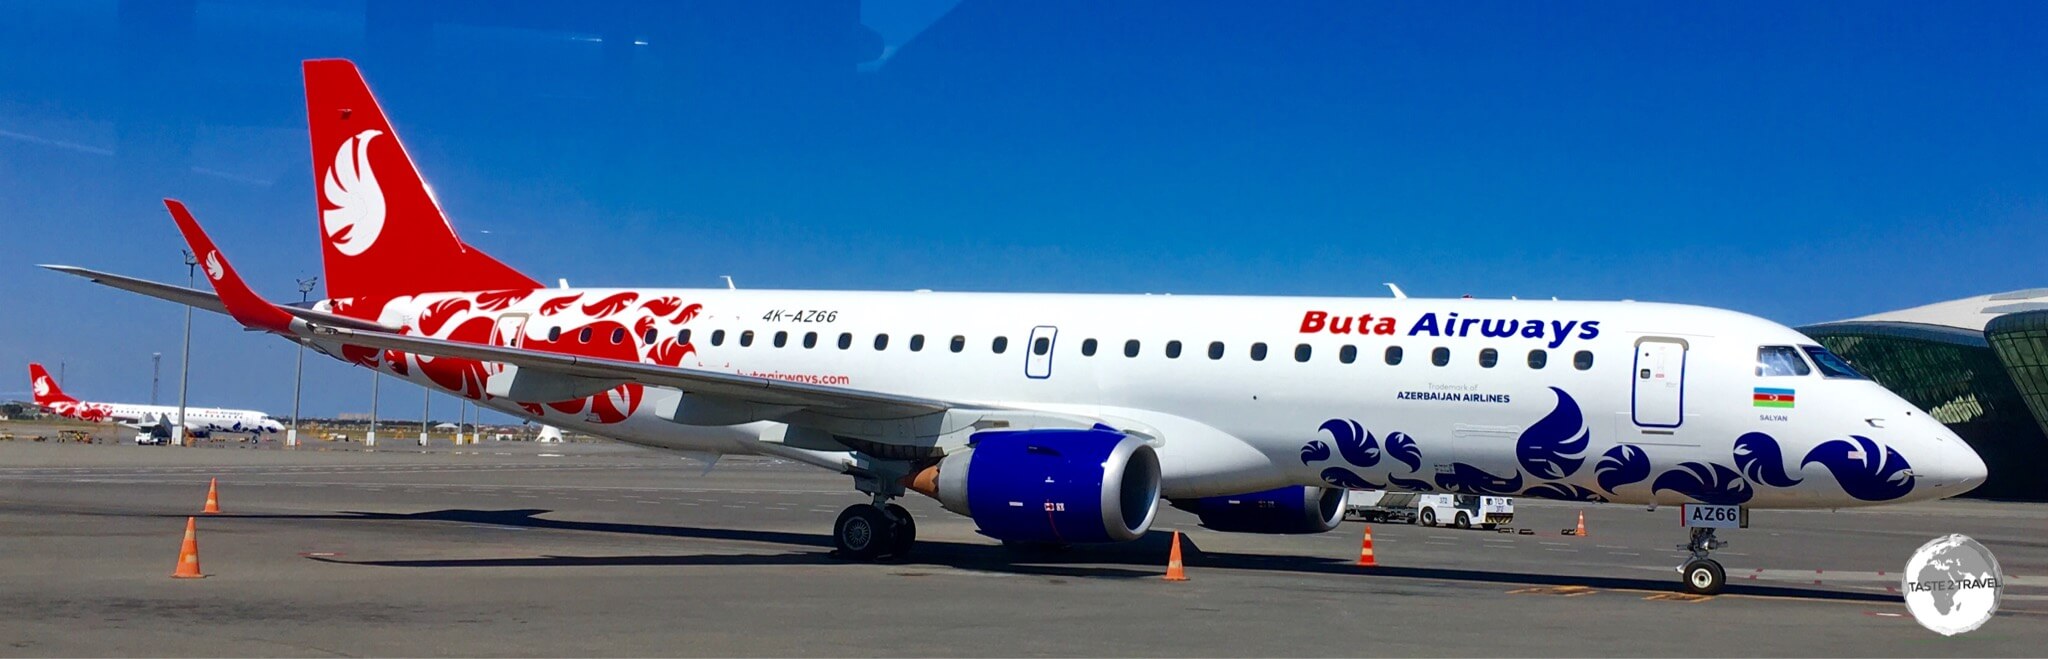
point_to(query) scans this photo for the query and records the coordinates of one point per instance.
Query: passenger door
(1038, 352)
(1658, 400)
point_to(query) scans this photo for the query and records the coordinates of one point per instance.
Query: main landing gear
(867, 532)
(1702, 575)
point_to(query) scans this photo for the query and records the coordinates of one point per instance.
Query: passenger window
(1131, 348)
(810, 339)
(583, 336)
(1301, 352)
(554, 334)
(1832, 365)
(1215, 349)
(1538, 359)
(1393, 355)
(683, 336)
(747, 339)
(781, 339)
(1776, 361)
(1583, 360)
(917, 343)
(1041, 346)
(845, 340)
(618, 335)
(1488, 357)
(1440, 356)
(881, 342)
(1258, 352)
(1000, 344)
(717, 337)
(1347, 354)
(1088, 348)
(649, 337)
(1173, 350)
(959, 343)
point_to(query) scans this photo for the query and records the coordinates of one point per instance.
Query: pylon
(212, 498)
(1365, 557)
(188, 555)
(1582, 524)
(1174, 571)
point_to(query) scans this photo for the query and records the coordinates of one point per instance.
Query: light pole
(376, 378)
(156, 374)
(291, 437)
(426, 404)
(185, 358)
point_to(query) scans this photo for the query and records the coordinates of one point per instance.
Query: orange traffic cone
(1365, 557)
(188, 555)
(212, 498)
(1174, 572)
(1582, 524)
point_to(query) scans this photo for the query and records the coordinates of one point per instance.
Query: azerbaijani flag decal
(1772, 397)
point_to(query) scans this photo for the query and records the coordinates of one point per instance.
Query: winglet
(248, 308)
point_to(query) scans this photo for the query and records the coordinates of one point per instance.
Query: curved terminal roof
(1970, 314)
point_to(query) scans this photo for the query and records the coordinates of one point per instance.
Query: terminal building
(1978, 364)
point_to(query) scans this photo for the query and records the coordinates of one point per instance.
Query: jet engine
(1292, 509)
(1056, 485)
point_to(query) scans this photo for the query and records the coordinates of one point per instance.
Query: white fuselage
(1669, 408)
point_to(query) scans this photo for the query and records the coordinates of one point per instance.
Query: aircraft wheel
(1464, 521)
(903, 534)
(862, 532)
(1703, 577)
(1428, 517)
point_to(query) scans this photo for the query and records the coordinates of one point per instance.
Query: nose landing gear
(1702, 575)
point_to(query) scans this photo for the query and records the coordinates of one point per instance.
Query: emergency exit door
(1038, 352)
(1659, 397)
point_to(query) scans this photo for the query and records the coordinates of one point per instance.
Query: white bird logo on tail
(213, 270)
(42, 386)
(358, 213)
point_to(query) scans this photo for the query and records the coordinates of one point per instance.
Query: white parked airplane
(1067, 418)
(199, 421)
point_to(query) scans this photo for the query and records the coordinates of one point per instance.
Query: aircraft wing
(198, 298)
(252, 311)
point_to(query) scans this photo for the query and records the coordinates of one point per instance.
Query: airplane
(199, 421)
(1054, 419)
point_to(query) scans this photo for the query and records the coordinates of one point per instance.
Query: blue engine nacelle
(1293, 509)
(1053, 485)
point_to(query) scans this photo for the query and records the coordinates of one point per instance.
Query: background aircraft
(199, 421)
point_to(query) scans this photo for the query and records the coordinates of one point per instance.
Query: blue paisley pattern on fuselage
(1761, 461)
(1315, 451)
(1353, 441)
(1402, 447)
(1473, 480)
(1863, 468)
(1706, 483)
(1565, 491)
(1410, 484)
(1345, 478)
(1624, 464)
(1551, 449)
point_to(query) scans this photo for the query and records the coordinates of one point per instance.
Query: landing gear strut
(1702, 575)
(871, 531)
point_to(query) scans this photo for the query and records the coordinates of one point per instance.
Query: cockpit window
(1773, 361)
(1831, 364)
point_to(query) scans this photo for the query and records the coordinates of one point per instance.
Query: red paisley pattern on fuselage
(610, 306)
(500, 300)
(557, 305)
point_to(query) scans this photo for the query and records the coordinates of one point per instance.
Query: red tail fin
(384, 235)
(45, 387)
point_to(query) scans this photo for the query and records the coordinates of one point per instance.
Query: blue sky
(1802, 161)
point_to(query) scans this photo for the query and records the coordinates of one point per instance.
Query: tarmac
(521, 549)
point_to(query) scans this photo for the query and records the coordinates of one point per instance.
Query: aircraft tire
(862, 533)
(1703, 577)
(903, 534)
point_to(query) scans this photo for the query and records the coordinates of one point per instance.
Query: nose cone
(1957, 468)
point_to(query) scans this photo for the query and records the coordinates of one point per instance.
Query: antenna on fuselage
(1398, 295)
(562, 282)
(730, 287)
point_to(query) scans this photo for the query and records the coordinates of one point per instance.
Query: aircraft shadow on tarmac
(1144, 557)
